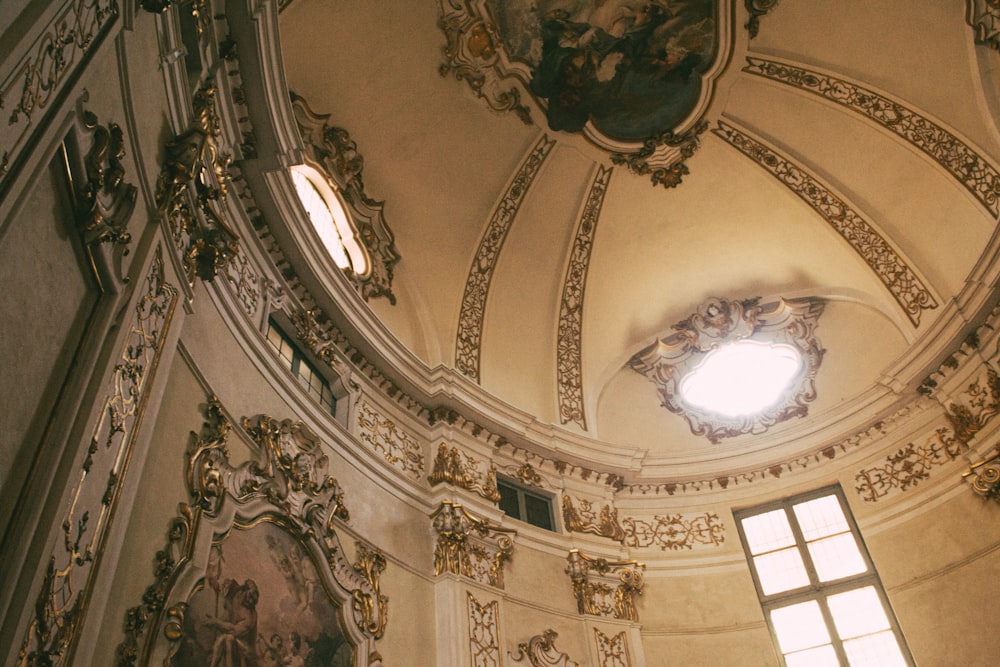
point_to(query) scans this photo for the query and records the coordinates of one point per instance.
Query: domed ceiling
(567, 180)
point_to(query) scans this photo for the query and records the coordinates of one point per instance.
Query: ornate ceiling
(844, 154)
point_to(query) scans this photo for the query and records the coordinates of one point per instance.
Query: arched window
(330, 219)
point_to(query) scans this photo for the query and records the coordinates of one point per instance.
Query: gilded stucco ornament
(192, 189)
(104, 202)
(984, 476)
(278, 511)
(459, 469)
(333, 150)
(757, 9)
(604, 587)
(541, 651)
(470, 546)
(718, 322)
(582, 517)
(984, 18)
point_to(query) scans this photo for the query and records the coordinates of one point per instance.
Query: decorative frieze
(70, 569)
(281, 504)
(397, 447)
(674, 531)
(603, 587)
(718, 322)
(462, 470)
(75, 31)
(902, 282)
(333, 149)
(569, 348)
(192, 185)
(583, 517)
(469, 546)
(477, 285)
(969, 168)
(612, 651)
(909, 465)
(541, 651)
(484, 633)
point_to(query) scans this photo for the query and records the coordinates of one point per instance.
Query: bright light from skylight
(328, 217)
(741, 378)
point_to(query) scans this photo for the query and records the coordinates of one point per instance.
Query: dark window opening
(308, 376)
(525, 505)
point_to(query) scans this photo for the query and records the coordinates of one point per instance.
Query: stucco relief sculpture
(603, 587)
(541, 651)
(192, 188)
(459, 469)
(586, 65)
(469, 546)
(984, 476)
(612, 651)
(984, 17)
(718, 322)
(484, 633)
(254, 572)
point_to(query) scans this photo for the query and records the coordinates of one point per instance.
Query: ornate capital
(470, 546)
(603, 587)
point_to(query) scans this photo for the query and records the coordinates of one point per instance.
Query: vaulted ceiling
(847, 156)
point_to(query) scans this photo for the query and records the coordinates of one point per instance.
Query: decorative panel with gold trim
(604, 587)
(470, 546)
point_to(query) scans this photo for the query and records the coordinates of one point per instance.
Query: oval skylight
(329, 218)
(741, 378)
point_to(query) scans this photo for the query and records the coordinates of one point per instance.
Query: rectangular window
(308, 376)
(525, 505)
(820, 593)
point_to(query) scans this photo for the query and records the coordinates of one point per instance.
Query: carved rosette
(332, 149)
(459, 469)
(541, 651)
(603, 587)
(469, 546)
(716, 323)
(192, 188)
(287, 479)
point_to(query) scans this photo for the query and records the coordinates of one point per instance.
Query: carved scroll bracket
(603, 587)
(470, 546)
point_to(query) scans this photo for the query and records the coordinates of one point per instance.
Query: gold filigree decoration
(526, 474)
(603, 587)
(484, 632)
(612, 651)
(288, 478)
(53, 633)
(193, 183)
(77, 28)
(756, 9)
(471, 54)
(541, 651)
(902, 282)
(969, 168)
(477, 285)
(975, 406)
(459, 469)
(909, 465)
(984, 18)
(397, 447)
(105, 201)
(984, 477)
(717, 322)
(333, 149)
(674, 531)
(469, 546)
(569, 349)
(583, 517)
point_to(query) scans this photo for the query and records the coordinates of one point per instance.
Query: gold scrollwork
(372, 609)
(584, 519)
(541, 651)
(461, 470)
(603, 587)
(469, 546)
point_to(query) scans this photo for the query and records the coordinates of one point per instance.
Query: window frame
(300, 358)
(523, 491)
(816, 590)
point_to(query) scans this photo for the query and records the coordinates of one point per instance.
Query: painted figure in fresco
(236, 643)
(628, 66)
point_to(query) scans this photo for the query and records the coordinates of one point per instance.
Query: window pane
(273, 337)
(821, 656)
(286, 351)
(837, 557)
(767, 532)
(781, 571)
(508, 501)
(858, 612)
(821, 517)
(538, 512)
(879, 650)
(799, 626)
